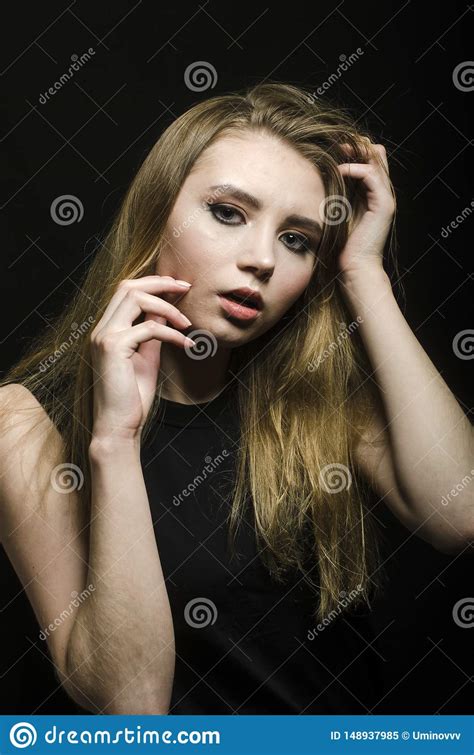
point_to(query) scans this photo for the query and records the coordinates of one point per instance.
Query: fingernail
(190, 342)
(183, 283)
(185, 319)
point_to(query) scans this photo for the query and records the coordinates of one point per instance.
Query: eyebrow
(243, 196)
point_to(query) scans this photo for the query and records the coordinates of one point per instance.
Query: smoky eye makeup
(307, 244)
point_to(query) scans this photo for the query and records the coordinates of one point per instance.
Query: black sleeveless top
(245, 644)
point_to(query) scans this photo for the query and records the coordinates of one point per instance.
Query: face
(220, 240)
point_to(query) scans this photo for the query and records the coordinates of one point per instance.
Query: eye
(218, 210)
(307, 246)
(221, 208)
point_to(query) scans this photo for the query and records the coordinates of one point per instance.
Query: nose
(257, 252)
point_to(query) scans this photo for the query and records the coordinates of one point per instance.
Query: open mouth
(243, 300)
(239, 307)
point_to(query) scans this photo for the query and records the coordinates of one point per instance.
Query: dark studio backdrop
(408, 76)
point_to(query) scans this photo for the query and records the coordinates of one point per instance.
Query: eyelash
(309, 246)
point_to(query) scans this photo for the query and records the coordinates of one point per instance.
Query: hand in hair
(365, 245)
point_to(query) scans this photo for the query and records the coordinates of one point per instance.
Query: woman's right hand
(126, 357)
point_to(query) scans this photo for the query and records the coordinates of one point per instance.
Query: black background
(89, 139)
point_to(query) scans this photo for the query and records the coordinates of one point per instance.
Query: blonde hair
(304, 392)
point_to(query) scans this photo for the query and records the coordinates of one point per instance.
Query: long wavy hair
(304, 392)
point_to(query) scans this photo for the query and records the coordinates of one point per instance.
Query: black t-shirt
(244, 643)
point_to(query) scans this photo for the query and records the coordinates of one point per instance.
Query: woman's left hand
(365, 245)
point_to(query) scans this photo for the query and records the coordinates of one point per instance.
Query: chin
(227, 333)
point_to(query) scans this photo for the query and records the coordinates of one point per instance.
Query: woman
(247, 361)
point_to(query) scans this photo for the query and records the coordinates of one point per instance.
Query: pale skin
(111, 654)
(428, 441)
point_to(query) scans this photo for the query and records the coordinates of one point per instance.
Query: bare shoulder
(16, 395)
(20, 411)
(29, 443)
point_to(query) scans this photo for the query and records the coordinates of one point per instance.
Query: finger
(382, 152)
(135, 303)
(376, 153)
(151, 283)
(364, 146)
(131, 338)
(150, 350)
(373, 178)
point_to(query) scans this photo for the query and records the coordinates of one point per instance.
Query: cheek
(185, 252)
(293, 283)
(200, 247)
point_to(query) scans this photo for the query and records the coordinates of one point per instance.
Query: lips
(238, 311)
(245, 296)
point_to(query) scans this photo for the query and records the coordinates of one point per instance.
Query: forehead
(264, 166)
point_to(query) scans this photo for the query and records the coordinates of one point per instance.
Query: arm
(114, 651)
(121, 647)
(429, 441)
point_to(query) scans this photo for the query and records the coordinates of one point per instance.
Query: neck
(188, 380)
